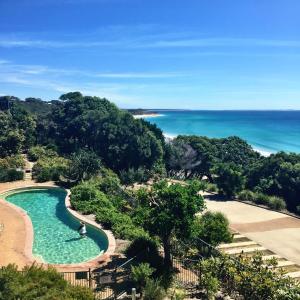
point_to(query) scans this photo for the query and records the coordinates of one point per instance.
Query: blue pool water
(266, 131)
(56, 239)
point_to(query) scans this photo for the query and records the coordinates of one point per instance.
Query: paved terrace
(275, 231)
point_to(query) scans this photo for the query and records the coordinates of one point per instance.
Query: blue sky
(196, 54)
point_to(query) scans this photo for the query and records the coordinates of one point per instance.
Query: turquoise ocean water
(266, 131)
(56, 239)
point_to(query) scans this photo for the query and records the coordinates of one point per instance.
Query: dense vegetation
(63, 135)
(246, 278)
(101, 152)
(37, 283)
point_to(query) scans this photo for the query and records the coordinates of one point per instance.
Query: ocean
(267, 131)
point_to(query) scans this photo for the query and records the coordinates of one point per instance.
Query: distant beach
(144, 116)
(266, 131)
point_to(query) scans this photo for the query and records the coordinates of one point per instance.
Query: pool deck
(16, 233)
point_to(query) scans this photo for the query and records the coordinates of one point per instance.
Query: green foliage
(251, 278)
(277, 175)
(171, 211)
(39, 152)
(17, 127)
(10, 168)
(14, 161)
(147, 250)
(230, 180)
(96, 124)
(103, 197)
(153, 290)
(83, 165)
(247, 195)
(50, 168)
(141, 274)
(130, 176)
(208, 280)
(37, 283)
(10, 175)
(196, 156)
(213, 228)
(272, 202)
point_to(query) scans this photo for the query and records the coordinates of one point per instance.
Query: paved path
(275, 231)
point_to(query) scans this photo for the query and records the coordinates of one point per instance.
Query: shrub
(146, 249)
(249, 277)
(140, 274)
(50, 168)
(276, 203)
(262, 199)
(13, 175)
(229, 180)
(211, 187)
(38, 152)
(213, 228)
(130, 176)
(247, 195)
(153, 290)
(7, 175)
(272, 202)
(13, 162)
(208, 281)
(38, 283)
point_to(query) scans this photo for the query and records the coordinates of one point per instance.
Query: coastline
(170, 137)
(147, 116)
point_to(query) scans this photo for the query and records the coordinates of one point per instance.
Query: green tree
(83, 165)
(171, 210)
(230, 180)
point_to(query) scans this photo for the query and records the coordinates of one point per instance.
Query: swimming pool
(56, 240)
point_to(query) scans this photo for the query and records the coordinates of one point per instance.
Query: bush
(37, 283)
(141, 274)
(276, 203)
(153, 290)
(130, 176)
(38, 152)
(272, 202)
(247, 195)
(14, 175)
(229, 180)
(249, 277)
(213, 228)
(7, 175)
(146, 249)
(50, 168)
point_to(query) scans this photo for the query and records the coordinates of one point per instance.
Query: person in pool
(82, 229)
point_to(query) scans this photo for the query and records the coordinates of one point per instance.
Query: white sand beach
(147, 116)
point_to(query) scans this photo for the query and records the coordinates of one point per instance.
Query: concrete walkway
(275, 231)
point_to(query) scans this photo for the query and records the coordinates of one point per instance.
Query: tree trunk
(167, 252)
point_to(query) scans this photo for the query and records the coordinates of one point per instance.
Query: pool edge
(90, 264)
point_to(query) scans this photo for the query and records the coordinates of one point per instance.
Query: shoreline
(147, 116)
(170, 137)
